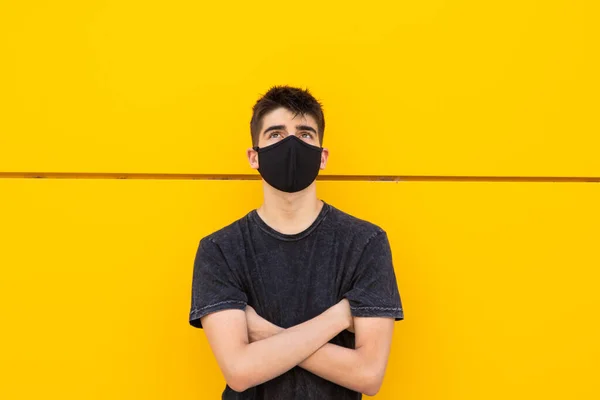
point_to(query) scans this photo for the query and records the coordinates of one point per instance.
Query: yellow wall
(498, 277)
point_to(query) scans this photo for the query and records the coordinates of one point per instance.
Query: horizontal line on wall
(253, 177)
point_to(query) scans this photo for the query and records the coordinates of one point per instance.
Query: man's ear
(324, 157)
(252, 158)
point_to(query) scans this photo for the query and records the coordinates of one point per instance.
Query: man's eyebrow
(274, 127)
(305, 128)
(299, 127)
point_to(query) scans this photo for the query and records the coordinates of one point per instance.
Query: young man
(298, 299)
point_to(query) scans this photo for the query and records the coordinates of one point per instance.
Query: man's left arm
(363, 368)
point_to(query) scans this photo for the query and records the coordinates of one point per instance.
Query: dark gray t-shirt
(290, 279)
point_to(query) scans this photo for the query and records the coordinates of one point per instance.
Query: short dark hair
(298, 101)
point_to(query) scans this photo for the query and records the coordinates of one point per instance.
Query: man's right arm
(246, 364)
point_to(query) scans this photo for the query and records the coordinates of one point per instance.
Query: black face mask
(289, 165)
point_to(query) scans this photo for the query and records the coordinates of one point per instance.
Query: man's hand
(258, 327)
(349, 314)
(344, 305)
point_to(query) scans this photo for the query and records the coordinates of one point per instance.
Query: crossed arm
(251, 350)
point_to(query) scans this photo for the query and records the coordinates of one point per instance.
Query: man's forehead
(282, 115)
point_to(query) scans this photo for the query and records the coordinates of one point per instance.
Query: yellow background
(498, 278)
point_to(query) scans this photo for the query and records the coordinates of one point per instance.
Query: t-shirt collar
(254, 217)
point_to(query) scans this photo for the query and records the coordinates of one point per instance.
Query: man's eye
(274, 133)
(306, 135)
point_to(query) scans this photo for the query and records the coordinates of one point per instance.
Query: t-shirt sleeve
(374, 289)
(215, 287)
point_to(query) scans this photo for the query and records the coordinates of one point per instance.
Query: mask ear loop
(255, 148)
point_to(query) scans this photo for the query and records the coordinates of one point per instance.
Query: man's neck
(290, 213)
